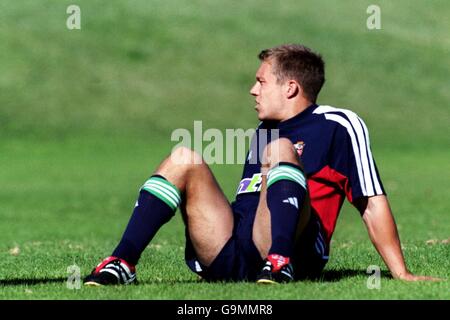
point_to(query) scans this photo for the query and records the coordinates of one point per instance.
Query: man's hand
(412, 277)
(377, 216)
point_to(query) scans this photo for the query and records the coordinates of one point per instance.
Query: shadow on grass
(36, 281)
(32, 282)
(337, 275)
(165, 282)
(326, 276)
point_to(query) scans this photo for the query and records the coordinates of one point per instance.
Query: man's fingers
(412, 277)
(432, 279)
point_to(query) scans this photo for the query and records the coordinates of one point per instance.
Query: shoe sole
(266, 281)
(92, 284)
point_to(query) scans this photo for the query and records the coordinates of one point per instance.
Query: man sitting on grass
(280, 226)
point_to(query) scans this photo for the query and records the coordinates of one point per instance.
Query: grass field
(86, 115)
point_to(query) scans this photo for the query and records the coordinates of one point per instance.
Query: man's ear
(293, 89)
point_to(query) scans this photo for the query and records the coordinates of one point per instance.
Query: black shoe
(111, 271)
(269, 274)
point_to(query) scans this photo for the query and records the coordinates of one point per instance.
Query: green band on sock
(286, 172)
(164, 190)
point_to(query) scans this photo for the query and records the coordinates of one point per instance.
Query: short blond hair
(297, 62)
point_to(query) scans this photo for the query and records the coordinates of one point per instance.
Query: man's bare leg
(209, 216)
(281, 150)
(181, 179)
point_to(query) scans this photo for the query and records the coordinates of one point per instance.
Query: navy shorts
(239, 259)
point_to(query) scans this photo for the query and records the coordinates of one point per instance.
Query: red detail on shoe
(107, 260)
(131, 267)
(277, 261)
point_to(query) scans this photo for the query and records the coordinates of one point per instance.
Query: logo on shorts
(299, 146)
(252, 184)
(292, 200)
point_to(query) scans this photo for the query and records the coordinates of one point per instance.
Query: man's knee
(280, 150)
(176, 167)
(185, 156)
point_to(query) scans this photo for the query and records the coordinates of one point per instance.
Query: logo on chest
(299, 147)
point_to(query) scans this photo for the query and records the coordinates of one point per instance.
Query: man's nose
(254, 90)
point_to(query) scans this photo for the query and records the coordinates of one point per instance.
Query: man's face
(268, 94)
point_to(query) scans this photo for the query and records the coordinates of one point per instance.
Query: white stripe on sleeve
(359, 136)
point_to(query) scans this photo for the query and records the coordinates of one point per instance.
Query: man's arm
(380, 223)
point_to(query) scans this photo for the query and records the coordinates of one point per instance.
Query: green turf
(86, 115)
